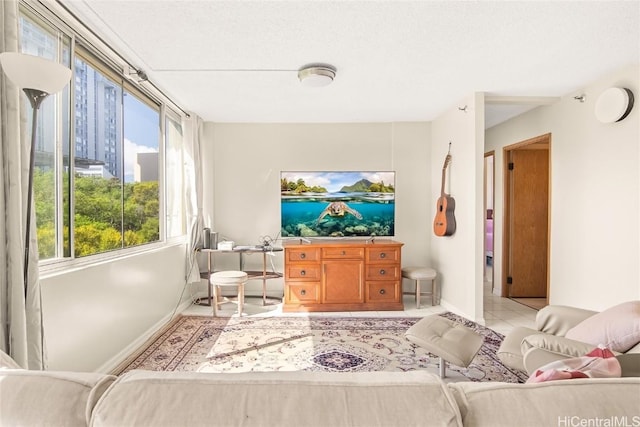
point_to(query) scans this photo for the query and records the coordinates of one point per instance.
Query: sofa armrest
(554, 344)
(540, 349)
(39, 398)
(558, 319)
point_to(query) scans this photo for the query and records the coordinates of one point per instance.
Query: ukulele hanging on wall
(444, 224)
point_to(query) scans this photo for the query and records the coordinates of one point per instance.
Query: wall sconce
(614, 105)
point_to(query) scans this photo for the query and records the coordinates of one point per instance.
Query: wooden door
(342, 281)
(529, 222)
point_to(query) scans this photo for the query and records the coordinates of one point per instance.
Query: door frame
(487, 173)
(538, 142)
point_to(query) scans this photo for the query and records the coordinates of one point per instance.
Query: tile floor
(501, 314)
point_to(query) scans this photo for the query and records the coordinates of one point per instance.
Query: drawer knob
(303, 272)
(382, 292)
(303, 255)
(344, 252)
(382, 272)
(303, 292)
(383, 255)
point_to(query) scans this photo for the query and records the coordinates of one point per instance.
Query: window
(116, 162)
(99, 161)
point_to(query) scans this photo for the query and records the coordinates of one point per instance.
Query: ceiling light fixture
(316, 75)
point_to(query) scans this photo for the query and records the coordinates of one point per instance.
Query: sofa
(413, 398)
(563, 332)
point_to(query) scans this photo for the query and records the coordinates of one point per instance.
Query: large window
(99, 166)
(117, 134)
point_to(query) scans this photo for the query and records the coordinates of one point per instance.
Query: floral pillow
(598, 363)
(617, 328)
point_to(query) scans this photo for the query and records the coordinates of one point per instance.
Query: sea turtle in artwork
(338, 209)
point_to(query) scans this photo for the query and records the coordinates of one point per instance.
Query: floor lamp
(38, 78)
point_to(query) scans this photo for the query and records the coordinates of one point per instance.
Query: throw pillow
(617, 328)
(598, 363)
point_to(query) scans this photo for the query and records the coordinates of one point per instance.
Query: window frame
(113, 64)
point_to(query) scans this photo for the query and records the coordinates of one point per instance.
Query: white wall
(97, 315)
(458, 258)
(595, 195)
(245, 161)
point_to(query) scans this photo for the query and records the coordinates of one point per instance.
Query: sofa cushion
(617, 328)
(277, 399)
(38, 398)
(552, 403)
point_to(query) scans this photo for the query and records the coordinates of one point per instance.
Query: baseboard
(455, 310)
(124, 357)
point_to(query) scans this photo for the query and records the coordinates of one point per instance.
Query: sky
(333, 181)
(141, 132)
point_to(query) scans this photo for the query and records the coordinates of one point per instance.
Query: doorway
(489, 191)
(526, 221)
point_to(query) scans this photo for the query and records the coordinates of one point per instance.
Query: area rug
(331, 344)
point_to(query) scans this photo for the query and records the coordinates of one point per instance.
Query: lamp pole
(35, 97)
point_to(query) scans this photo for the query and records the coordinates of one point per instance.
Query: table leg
(264, 278)
(240, 299)
(209, 267)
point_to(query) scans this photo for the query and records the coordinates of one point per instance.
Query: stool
(418, 274)
(228, 278)
(449, 340)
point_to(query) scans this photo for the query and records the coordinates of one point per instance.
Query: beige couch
(414, 398)
(564, 332)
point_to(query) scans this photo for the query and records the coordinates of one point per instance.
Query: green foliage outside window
(101, 223)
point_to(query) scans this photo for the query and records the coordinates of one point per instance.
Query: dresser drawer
(382, 272)
(302, 292)
(383, 291)
(302, 272)
(303, 254)
(342, 253)
(383, 255)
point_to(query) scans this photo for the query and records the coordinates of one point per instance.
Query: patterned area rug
(206, 344)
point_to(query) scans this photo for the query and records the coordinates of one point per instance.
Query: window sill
(55, 267)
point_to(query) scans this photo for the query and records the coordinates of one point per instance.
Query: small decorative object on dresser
(342, 275)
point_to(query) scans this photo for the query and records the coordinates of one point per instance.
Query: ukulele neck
(442, 187)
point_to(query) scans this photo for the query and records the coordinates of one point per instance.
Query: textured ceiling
(237, 61)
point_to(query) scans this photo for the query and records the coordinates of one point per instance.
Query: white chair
(224, 279)
(419, 274)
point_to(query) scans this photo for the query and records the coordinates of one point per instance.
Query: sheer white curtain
(21, 334)
(193, 191)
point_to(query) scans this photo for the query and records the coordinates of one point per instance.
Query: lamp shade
(33, 72)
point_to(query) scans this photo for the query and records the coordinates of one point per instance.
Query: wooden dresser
(342, 275)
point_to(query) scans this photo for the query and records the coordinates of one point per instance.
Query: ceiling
(237, 61)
